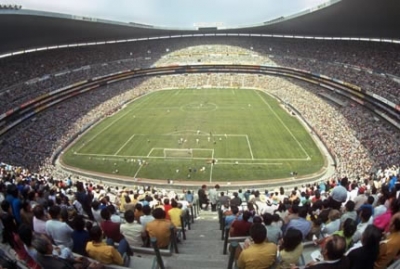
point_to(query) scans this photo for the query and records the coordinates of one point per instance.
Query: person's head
(139, 207)
(55, 212)
(159, 213)
(204, 187)
(96, 234)
(217, 186)
(5, 206)
(317, 194)
(257, 219)
(26, 206)
(334, 214)
(42, 245)
(127, 199)
(370, 200)
(79, 223)
(38, 212)
(146, 210)
(295, 209)
(291, 239)
(25, 234)
(395, 223)
(350, 205)
(349, 227)
(370, 240)
(105, 214)
(371, 236)
(267, 217)
(235, 194)
(258, 233)
(303, 212)
(129, 216)
(247, 215)
(365, 214)
(334, 248)
(166, 201)
(95, 205)
(234, 210)
(174, 203)
(111, 209)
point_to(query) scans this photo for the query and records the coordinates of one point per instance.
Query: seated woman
(364, 256)
(291, 248)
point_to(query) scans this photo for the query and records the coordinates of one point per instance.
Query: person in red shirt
(110, 229)
(241, 227)
(167, 206)
(113, 233)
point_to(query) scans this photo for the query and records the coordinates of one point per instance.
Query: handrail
(234, 246)
(160, 261)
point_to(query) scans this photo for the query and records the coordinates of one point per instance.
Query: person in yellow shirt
(389, 249)
(261, 254)
(100, 251)
(174, 214)
(159, 228)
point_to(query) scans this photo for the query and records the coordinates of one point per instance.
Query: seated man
(100, 251)
(159, 228)
(60, 232)
(175, 213)
(301, 223)
(241, 227)
(261, 254)
(333, 253)
(46, 258)
(132, 231)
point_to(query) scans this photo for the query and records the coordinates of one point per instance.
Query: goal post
(193, 153)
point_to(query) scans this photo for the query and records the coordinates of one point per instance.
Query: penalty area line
(130, 138)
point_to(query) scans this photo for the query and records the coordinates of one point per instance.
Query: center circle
(199, 107)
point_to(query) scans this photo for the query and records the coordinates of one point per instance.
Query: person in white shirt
(132, 231)
(333, 225)
(381, 208)
(365, 216)
(59, 231)
(146, 218)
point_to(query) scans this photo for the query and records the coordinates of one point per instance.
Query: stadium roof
(23, 29)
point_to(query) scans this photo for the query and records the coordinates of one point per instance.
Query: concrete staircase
(202, 247)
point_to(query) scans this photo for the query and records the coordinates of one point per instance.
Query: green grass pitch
(174, 134)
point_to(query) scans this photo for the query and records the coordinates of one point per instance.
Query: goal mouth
(188, 153)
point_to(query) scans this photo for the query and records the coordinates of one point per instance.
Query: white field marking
(196, 158)
(233, 91)
(177, 92)
(130, 138)
(251, 151)
(137, 172)
(250, 163)
(212, 166)
(105, 128)
(284, 125)
(148, 155)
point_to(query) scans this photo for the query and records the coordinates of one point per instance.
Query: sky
(176, 13)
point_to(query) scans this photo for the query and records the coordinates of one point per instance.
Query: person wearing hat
(360, 199)
(339, 194)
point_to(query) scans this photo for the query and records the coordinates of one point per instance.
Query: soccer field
(175, 134)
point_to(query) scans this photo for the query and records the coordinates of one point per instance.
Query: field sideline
(176, 134)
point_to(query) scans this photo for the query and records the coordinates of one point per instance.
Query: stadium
(290, 102)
